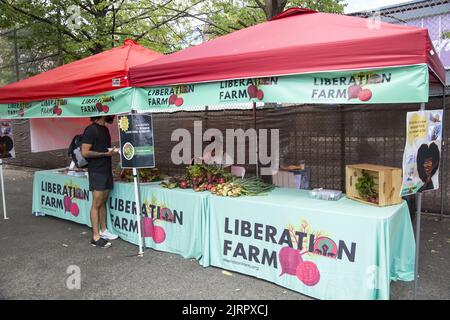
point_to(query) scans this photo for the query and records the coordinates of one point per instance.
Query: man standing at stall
(96, 148)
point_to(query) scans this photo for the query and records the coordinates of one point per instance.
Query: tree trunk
(274, 8)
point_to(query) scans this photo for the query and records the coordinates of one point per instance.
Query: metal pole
(444, 154)
(416, 265)
(256, 137)
(138, 199)
(343, 155)
(138, 209)
(3, 190)
(418, 214)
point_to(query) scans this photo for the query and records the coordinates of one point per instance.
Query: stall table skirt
(178, 215)
(324, 249)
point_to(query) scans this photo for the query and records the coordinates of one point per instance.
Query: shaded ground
(35, 253)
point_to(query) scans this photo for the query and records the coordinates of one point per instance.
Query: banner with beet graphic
(111, 102)
(422, 155)
(407, 84)
(62, 196)
(324, 250)
(173, 221)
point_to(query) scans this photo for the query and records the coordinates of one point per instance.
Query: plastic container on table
(325, 194)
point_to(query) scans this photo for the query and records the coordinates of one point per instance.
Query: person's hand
(112, 151)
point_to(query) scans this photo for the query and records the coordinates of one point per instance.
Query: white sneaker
(108, 235)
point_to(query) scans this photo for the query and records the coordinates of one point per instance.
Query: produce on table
(365, 186)
(242, 186)
(217, 180)
(145, 175)
(199, 177)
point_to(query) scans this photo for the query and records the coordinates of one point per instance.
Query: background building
(431, 14)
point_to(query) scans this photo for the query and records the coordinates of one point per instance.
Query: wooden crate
(388, 182)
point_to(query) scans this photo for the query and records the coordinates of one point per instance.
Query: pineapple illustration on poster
(422, 154)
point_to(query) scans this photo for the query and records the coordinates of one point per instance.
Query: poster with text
(136, 141)
(6, 140)
(422, 154)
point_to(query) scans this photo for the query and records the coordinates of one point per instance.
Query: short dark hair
(424, 153)
(95, 118)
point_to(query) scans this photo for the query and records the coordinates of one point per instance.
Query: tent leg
(257, 141)
(3, 190)
(138, 209)
(444, 153)
(416, 265)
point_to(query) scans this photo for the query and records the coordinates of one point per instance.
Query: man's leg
(97, 203)
(103, 211)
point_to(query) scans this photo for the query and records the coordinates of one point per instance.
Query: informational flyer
(422, 153)
(136, 141)
(6, 140)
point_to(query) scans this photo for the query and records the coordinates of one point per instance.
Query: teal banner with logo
(407, 84)
(325, 249)
(111, 102)
(173, 221)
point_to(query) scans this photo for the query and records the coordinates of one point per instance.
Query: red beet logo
(357, 92)
(57, 110)
(70, 206)
(254, 92)
(292, 263)
(176, 100)
(151, 231)
(308, 273)
(365, 95)
(353, 91)
(102, 107)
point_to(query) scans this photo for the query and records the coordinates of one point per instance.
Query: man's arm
(88, 153)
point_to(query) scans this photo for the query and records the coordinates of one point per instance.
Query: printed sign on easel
(136, 141)
(422, 154)
(6, 140)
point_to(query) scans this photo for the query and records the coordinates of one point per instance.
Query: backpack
(75, 152)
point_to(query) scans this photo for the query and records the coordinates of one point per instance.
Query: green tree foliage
(232, 15)
(160, 25)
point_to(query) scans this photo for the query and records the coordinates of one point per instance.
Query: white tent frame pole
(138, 210)
(3, 190)
(136, 187)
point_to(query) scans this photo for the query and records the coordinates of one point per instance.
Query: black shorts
(100, 181)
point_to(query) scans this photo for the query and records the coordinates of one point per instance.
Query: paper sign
(422, 153)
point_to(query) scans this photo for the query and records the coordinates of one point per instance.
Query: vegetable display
(365, 186)
(242, 186)
(145, 175)
(218, 181)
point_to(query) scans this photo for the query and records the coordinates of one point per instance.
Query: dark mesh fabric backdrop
(327, 137)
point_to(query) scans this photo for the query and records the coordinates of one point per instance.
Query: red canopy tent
(88, 76)
(296, 41)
